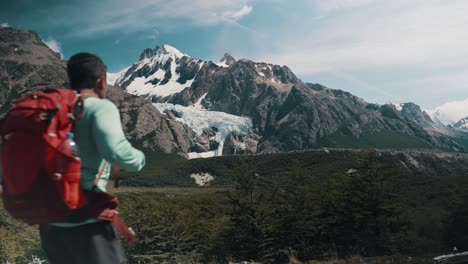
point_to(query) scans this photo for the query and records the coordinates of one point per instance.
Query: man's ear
(102, 83)
(101, 87)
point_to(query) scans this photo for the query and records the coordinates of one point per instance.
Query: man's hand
(1, 189)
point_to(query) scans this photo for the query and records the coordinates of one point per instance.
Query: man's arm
(110, 139)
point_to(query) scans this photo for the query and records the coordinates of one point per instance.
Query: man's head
(87, 71)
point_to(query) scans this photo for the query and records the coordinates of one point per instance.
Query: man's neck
(88, 92)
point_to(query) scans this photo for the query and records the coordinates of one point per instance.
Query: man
(101, 141)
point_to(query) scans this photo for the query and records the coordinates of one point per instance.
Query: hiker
(101, 143)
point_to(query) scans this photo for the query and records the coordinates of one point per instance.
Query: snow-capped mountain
(113, 77)
(164, 72)
(160, 72)
(461, 124)
(285, 113)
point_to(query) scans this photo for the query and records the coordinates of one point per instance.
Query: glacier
(199, 120)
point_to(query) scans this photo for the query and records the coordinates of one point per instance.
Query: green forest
(378, 209)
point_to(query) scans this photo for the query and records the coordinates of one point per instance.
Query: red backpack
(41, 182)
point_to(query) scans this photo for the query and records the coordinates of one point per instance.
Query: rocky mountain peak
(413, 111)
(147, 53)
(227, 60)
(167, 49)
(160, 72)
(161, 51)
(287, 76)
(9, 34)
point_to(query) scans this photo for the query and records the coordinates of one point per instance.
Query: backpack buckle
(8, 136)
(45, 116)
(71, 116)
(57, 176)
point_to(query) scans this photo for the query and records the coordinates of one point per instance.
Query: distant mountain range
(461, 124)
(180, 104)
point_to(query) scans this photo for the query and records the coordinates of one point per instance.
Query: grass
(397, 259)
(164, 170)
(381, 139)
(170, 190)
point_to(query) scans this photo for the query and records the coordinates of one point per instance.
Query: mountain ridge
(288, 114)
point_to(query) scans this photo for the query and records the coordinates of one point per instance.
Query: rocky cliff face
(26, 64)
(146, 127)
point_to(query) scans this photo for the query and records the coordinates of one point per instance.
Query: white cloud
(4, 24)
(451, 112)
(384, 33)
(143, 15)
(152, 34)
(54, 45)
(245, 10)
(328, 5)
(363, 38)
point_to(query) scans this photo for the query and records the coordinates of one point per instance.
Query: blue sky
(380, 50)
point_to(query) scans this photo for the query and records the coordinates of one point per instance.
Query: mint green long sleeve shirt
(100, 138)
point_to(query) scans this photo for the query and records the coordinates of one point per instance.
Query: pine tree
(244, 235)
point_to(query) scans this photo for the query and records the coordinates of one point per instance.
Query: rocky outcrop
(26, 64)
(147, 127)
(227, 60)
(239, 145)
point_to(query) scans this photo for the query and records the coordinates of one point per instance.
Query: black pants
(95, 243)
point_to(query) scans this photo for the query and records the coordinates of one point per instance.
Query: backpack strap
(126, 232)
(116, 176)
(104, 207)
(98, 178)
(111, 214)
(80, 104)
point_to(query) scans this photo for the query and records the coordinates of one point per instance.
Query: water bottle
(68, 171)
(69, 146)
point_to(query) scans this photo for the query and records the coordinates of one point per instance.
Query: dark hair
(84, 69)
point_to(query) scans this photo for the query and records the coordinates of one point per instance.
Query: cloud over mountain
(54, 45)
